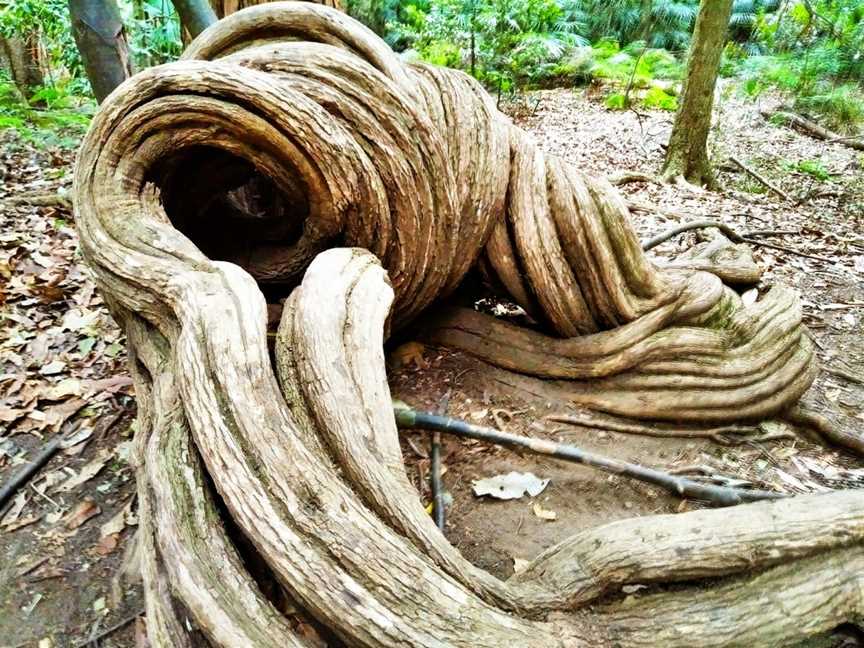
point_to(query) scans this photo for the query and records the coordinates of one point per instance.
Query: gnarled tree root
(262, 494)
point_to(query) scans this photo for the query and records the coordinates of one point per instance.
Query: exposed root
(626, 177)
(824, 430)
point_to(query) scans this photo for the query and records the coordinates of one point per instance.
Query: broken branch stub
(288, 129)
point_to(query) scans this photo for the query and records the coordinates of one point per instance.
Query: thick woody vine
(273, 493)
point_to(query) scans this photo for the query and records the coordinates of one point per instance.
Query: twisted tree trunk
(274, 499)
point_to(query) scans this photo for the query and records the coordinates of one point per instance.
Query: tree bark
(21, 57)
(256, 481)
(101, 39)
(687, 155)
(195, 15)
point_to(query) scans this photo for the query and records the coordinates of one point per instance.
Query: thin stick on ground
(760, 179)
(26, 473)
(94, 641)
(720, 495)
(435, 485)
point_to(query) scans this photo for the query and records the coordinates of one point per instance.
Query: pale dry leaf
(86, 473)
(544, 514)
(115, 525)
(52, 368)
(513, 485)
(63, 389)
(14, 511)
(520, 565)
(749, 298)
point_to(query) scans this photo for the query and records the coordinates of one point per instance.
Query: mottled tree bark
(378, 186)
(687, 155)
(20, 56)
(101, 39)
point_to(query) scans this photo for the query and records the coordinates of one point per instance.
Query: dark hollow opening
(229, 208)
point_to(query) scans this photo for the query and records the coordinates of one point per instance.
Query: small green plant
(841, 107)
(616, 101)
(60, 123)
(814, 169)
(659, 99)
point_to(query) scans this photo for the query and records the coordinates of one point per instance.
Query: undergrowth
(60, 120)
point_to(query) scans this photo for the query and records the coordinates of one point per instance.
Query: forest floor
(63, 538)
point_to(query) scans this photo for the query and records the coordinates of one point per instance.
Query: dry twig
(720, 495)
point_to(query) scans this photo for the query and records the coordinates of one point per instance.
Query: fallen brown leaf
(82, 512)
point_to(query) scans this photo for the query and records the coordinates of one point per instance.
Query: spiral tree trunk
(291, 152)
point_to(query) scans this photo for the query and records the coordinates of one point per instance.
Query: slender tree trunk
(101, 39)
(646, 20)
(687, 156)
(195, 15)
(21, 56)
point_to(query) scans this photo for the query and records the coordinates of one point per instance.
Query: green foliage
(659, 99)
(814, 169)
(816, 60)
(61, 122)
(502, 42)
(840, 108)
(634, 64)
(154, 31)
(616, 101)
(46, 22)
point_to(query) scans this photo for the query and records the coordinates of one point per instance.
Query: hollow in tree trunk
(687, 155)
(101, 39)
(358, 190)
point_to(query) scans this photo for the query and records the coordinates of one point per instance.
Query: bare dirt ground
(62, 370)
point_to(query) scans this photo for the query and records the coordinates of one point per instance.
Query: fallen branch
(765, 183)
(720, 495)
(26, 473)
(814, 130)
(435, 486)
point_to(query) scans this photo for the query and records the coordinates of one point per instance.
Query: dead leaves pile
(62, 360)
(61, 354)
